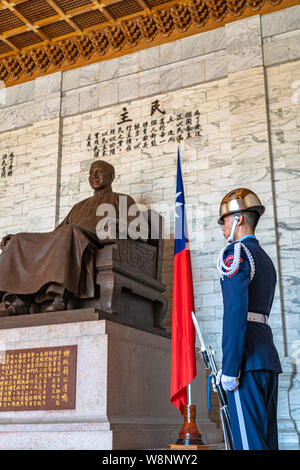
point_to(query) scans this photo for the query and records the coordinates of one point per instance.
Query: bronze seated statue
(84, 263)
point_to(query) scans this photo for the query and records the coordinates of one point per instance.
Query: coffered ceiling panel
(43, 36)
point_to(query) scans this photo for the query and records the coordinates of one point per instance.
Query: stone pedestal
(122, 391)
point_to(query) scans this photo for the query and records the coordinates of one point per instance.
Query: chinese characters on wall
(7, 163)
(38, 379)
(161, 128)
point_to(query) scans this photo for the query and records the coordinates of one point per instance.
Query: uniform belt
(258, 317)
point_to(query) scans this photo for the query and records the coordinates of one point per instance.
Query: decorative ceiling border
(172, 21)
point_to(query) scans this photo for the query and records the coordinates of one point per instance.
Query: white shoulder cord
(236, 261)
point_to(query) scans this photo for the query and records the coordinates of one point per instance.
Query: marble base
(122, 392)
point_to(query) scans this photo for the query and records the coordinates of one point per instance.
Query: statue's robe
(32, 261)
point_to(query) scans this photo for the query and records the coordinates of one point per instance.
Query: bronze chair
(128, 279)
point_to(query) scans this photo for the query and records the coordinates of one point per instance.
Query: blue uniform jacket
(248, 345)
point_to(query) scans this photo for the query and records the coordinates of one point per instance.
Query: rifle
(210, 364)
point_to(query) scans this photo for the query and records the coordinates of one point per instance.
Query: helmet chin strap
(230, 239)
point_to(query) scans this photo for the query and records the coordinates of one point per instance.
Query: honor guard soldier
(250, 362)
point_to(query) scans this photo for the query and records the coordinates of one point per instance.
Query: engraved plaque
(39, 379)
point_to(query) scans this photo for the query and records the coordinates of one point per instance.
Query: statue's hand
(5, 241)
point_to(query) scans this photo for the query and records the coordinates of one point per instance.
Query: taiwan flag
(183, 358)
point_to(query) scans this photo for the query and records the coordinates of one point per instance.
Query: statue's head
(102, 175)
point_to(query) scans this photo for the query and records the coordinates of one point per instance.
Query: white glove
(229, 383)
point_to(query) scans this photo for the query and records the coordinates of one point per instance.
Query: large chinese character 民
(155, 106)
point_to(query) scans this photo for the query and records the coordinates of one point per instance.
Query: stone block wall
(243, 79)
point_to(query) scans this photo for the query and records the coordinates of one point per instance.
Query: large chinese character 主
(124, 116)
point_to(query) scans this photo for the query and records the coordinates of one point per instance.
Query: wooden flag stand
(190, 438)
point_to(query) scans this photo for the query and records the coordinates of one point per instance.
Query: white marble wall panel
(33, 184)
(284, 111)
(280, 33)
(14, 189)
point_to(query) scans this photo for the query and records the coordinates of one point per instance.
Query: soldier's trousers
(253, 411)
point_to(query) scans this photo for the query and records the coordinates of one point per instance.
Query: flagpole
(188, 387)
(189, 394)
(181, 394)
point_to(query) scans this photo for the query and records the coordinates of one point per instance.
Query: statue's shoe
(17, 307)
(56, 306)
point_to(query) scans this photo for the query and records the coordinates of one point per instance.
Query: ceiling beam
(145, 5)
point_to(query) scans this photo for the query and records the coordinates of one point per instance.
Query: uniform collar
(246, 236)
